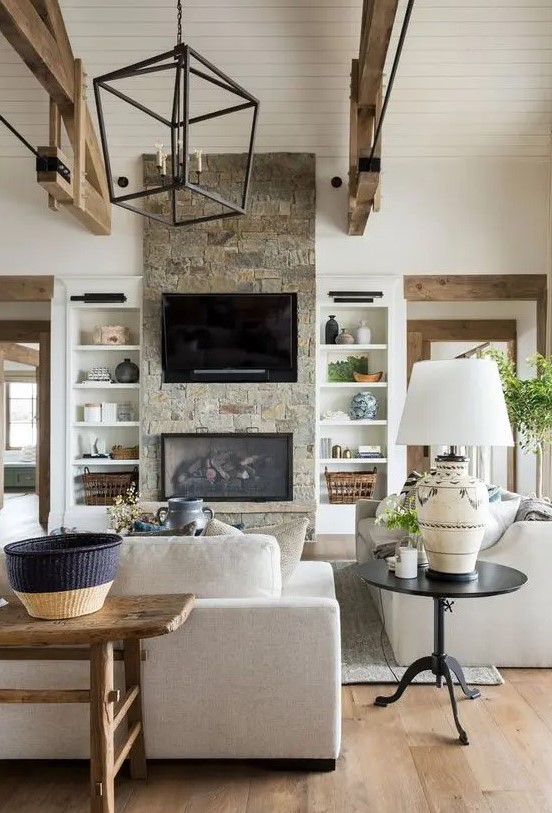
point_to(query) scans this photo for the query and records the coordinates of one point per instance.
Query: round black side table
(493, 580)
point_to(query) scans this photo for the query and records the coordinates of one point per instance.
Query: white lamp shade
(455, 403)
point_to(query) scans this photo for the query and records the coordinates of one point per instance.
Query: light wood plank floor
(402, 759)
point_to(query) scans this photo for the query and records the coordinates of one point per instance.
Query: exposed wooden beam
(20, 354)
(474, 287)
(36, 30)
(378, 17)
(464, 330)
(26, 289)
(54, 140)
(37, 47)
(23, 331)
(59, 189)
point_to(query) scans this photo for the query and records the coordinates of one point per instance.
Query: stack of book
(369, 452)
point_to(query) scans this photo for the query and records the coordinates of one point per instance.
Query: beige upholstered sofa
(508, 630)
(255, 673)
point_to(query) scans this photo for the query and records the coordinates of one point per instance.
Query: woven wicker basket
(101, 489)
(345, 487)
(63, 576)
(125, 452)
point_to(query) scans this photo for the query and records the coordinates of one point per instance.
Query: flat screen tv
(229, 337)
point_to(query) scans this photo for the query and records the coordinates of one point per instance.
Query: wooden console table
(92, 637)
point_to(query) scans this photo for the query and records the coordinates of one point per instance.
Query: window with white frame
(20, 414)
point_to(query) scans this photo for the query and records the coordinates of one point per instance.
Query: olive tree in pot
(529, 404)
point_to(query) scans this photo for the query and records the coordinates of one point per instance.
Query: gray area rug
(362, 658)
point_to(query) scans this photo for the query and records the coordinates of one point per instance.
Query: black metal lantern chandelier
(173, 192)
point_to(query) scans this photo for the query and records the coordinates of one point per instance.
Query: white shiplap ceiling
(475, 78)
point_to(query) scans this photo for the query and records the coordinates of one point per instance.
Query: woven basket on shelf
(345, 487)
(101, 489)
(63, 576)
(125, 452)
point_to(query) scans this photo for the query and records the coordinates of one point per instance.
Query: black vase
(127, 372)
(332, 330)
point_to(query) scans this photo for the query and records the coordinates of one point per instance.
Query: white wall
(452, 216)
(35, 240)
(440, 216)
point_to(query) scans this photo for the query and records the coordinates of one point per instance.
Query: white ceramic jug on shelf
(363, 334)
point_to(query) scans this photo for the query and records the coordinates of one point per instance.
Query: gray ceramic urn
(127, 372)
(181, 511)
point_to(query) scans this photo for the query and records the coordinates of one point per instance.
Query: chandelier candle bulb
(159, 154)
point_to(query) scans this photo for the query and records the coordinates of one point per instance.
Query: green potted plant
(399, 515)
(529, 404)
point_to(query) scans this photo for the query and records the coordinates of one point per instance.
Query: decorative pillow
(408, 491)
(495, 494)
(532, 509)
(148, 529)
(501, 515)
(216, 527)
(290, 536)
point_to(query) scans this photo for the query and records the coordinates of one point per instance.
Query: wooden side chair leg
(133, 675)
(102, 786)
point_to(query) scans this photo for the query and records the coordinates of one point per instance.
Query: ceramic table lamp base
(452, 511)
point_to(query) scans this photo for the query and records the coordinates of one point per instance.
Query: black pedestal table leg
(462, 734)
(455, 667)
(421, 665)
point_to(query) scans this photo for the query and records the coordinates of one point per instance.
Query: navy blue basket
(63, 576)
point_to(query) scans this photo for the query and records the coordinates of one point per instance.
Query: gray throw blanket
(534, 510)
(385, 550)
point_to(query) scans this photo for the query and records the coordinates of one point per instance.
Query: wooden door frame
(484, 288)
(420, 335)
(33, 288)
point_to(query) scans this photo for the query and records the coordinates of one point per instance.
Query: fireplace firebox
(248, 467)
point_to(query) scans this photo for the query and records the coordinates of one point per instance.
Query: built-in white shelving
(360, 422)
(91, 424)
(340, 348)
(355, 385)
(345, 461)
(384, 353)
(105, 348)
(94, 461)
(84, 437)
(99, 385)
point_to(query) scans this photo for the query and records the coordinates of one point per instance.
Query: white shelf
(361, 422)
(102, 385)
(355, 460)
(337, 306)
(101, 347)
(353, 384)
(104, 423)
(349, 347)
(89, 461)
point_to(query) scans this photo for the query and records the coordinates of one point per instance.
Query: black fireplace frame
(288, 436)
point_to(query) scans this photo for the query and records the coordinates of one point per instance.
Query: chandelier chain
(179, 22)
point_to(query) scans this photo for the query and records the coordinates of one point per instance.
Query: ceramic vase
(331, 331)
(345, 337)
(363, 406)
(127, 372)
(363, 334)
(181, 511)
(452, 509)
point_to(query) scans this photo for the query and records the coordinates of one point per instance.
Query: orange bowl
(367, 378)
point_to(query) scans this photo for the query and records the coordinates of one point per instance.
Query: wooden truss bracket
(36, 30)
